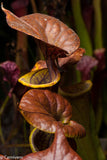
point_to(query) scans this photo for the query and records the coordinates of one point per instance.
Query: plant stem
(25, 131)
(1, 133)
(1, 112)
(33, 3)
(81, 28)
(98, 42)
(21, 56)
(51, 67)
(4, 105)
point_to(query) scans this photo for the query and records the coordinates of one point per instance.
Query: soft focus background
(88, 18)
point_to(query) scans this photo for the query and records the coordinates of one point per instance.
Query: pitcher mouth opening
(76, 89)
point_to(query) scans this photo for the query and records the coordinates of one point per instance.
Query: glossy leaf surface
(59, 150)
(43, 109)
(40, 140)
(57, 37)
(41, 64)
(73, 58)
(39, 78)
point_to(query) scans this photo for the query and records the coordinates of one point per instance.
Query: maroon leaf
(88, 16)
(100, 56)
(55, 37)
(59, 150)
(43, 109)
(40, 140)
(17, 4)
(11, 72)
(85, 65)
(20, 7)
(73, 58)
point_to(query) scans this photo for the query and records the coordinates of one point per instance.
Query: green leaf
(79, 97)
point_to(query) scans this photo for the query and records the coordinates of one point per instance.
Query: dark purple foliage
(88, 16)
(100, 56)
(85, 65)
(11, 72)
(19, 7)
(99, 77)
(19, 4)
